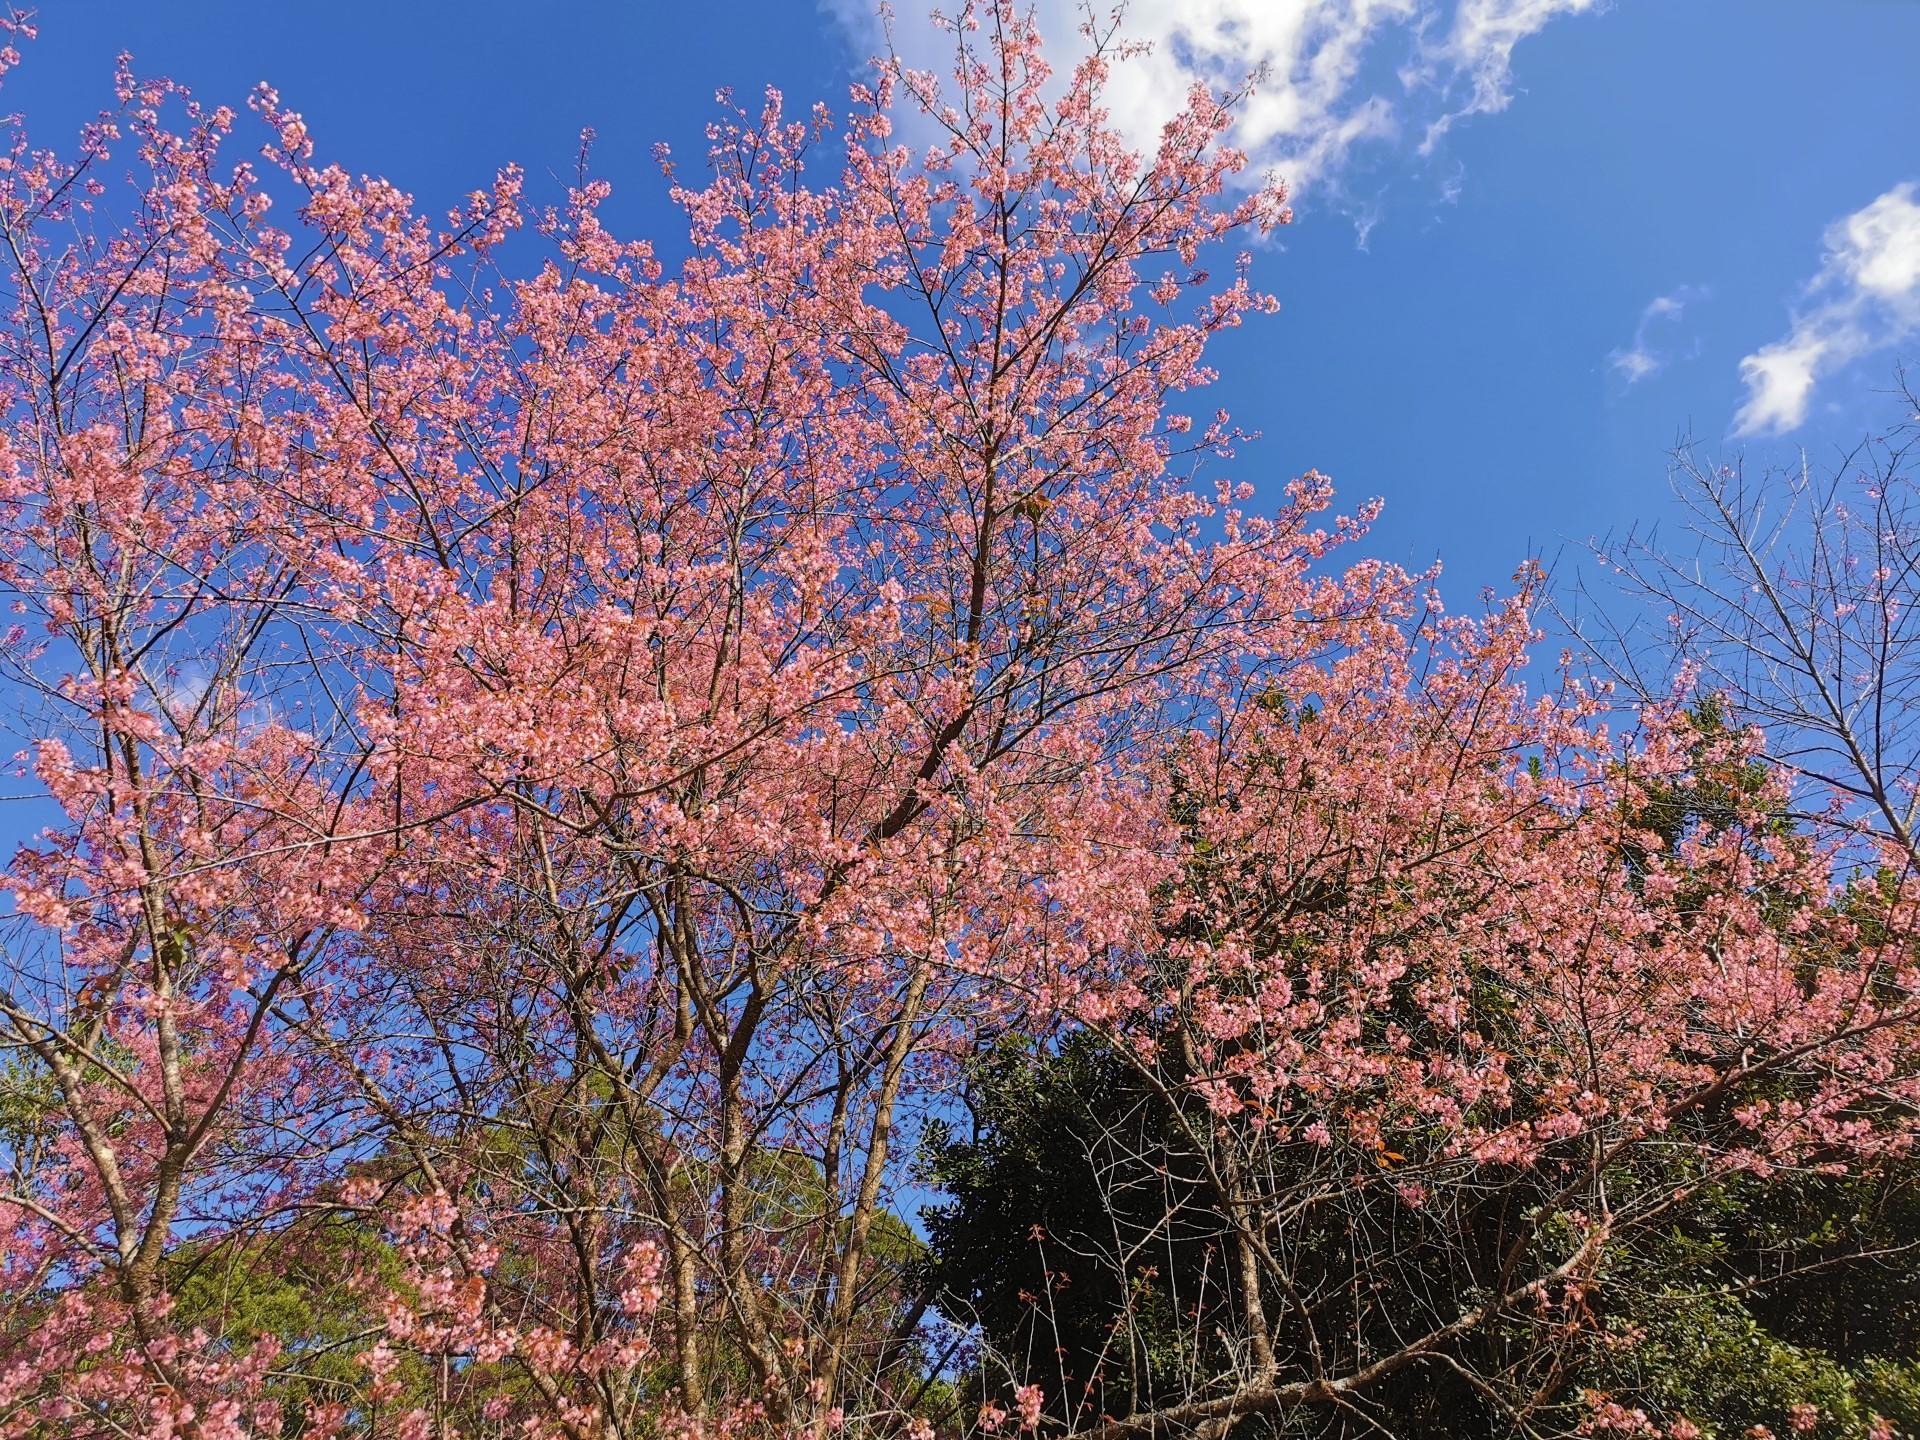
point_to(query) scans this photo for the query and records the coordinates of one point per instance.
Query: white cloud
(1865, 297)
(1634, 363)
(1326, 62)
(1478, 52)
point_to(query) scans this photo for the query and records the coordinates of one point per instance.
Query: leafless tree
(1791, 593)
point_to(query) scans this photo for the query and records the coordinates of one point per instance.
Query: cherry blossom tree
(559, 755)
(1464, 1006)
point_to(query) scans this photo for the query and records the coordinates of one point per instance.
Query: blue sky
(1536, 239)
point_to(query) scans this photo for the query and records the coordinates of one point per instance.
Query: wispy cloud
(1478, 53)
(1635, 362)
(1866, 297)
(1343, 77)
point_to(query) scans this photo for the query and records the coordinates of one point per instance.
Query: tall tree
(544, 751)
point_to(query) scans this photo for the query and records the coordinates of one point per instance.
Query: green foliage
(310, 1288)
(1025, 1248)
(29, 1109)
(1801, 1290)
(1763, 1294)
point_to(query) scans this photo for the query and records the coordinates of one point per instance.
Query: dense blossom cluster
(561, 755)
